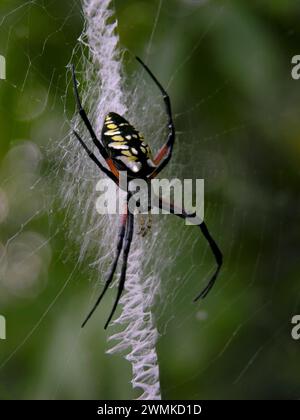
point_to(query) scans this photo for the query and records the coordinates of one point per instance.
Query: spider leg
(91, 155)
(212, 243)
(112, 270)
(128, 240)
(164, 154)
(219, 259)
(85, 118)
(88, 125)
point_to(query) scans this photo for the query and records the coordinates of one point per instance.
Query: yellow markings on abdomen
(126, 153)
(117, 138)
(129, 155)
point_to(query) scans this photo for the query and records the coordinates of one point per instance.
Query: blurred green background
(227, 65)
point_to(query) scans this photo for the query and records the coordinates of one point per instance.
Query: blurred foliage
(227, 65)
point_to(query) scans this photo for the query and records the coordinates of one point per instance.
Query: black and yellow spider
(124, 149)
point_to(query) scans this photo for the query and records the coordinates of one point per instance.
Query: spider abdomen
(126, 146)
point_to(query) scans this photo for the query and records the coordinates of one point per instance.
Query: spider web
(197, 366)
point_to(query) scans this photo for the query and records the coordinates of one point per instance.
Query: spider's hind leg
(84, 116)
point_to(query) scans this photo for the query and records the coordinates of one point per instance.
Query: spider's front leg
(128, 240)
(213, 245)
(113, 267)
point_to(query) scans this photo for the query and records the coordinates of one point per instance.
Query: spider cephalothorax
(124, 149)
